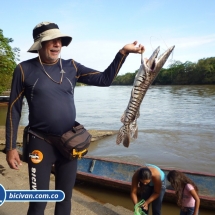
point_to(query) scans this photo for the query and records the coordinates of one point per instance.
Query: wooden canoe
(4, 99)
(118, 175)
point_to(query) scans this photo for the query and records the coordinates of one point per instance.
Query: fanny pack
(72, 144)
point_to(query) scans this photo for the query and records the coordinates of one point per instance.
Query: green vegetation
(126, 79)
(8, 57)
(178, 73)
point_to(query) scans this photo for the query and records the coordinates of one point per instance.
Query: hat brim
(66, 40)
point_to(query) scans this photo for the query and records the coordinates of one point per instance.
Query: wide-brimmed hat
(45, 31)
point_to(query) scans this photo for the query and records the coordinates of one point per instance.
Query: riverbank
(96, 134)
(81, 204)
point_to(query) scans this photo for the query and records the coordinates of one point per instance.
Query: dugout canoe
(4, 99)
(117, 175)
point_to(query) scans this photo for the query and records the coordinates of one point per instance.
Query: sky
(100, 28)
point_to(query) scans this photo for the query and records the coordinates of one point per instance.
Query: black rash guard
(51, 105)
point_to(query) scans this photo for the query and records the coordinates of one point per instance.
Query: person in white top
(186, 192)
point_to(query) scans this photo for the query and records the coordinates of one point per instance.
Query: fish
(148, 71)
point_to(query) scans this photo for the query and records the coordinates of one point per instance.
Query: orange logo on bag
(36, 156)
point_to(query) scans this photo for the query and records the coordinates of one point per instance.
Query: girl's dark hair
(145, 174)
(178, 181)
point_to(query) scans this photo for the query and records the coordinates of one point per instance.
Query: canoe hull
(4, 99)
(118, 175)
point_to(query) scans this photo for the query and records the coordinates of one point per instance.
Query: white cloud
(98, 54)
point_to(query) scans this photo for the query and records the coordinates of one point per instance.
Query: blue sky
(101, 27)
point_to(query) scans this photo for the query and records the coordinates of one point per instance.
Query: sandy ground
(81, 204)
(18, 180)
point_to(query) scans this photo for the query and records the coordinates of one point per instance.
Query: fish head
(153, 65)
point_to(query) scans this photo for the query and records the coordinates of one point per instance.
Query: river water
(176, 124)
(176, 127)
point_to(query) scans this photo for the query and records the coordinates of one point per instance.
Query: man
(48, 82)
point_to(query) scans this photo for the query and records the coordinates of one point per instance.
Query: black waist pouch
(73, 144)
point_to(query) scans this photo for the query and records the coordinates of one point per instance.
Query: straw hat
(45, 31)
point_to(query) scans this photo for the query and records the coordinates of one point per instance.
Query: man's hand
(13, 159)
(132, 48)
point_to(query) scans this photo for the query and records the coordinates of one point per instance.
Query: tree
(127, 79)
(177, 73)
(8, 58)
(206, 68)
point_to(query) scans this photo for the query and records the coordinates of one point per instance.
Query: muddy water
(107, 149)
(176, 124)
(176, 129)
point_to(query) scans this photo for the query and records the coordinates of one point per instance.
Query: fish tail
(126, 141)
(134, 129)
(120, 135)
(135, 133)
(123, 136)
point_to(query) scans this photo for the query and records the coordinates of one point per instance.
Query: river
(176, 128)
(176, 124)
